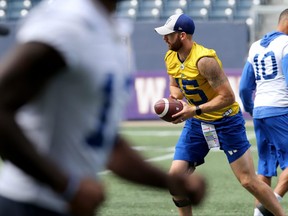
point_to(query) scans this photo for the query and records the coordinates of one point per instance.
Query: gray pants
(12, 208)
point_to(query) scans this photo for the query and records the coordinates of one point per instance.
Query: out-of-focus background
(228, 26)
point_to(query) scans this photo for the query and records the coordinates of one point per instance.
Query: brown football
(165, 108)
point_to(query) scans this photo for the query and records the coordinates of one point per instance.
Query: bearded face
(177, 43)
(174, 41)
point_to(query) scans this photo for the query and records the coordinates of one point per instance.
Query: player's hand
(88, 198)
(186, 113)
(193, 187)
(171, 96)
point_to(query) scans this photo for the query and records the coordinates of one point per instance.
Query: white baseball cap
(177, 23)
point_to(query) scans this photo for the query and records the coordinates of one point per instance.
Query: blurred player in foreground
(266, 73)
(63, 88)
(213, 117)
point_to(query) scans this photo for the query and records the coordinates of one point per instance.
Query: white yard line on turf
(161, 158)
(168, 156)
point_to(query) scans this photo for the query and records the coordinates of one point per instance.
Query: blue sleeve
(247, 87)
(285, 68)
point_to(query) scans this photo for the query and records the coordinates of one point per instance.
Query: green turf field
(155, 141)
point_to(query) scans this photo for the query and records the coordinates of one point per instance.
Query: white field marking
(155, 159)
(155, 149)
(169, 156)
(161, 158)
(251, 135)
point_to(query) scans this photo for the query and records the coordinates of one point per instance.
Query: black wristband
(198, 110)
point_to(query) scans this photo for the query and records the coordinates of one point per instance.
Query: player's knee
(247, 182)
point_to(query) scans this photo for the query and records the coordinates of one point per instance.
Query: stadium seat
(149, 4)
(198, 14)
(244, 4)
(223, 4)
(168, 12)
(155, 9)
(198, 4)
(219, 14)
(127, 9)
(242, 14)
(126, 4)
(170, 5)
(149, 9)
(148, 14)
(173, 7)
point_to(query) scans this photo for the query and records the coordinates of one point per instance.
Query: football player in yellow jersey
(211, 114)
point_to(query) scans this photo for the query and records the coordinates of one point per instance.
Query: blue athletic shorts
(272, 143)
(192, 146)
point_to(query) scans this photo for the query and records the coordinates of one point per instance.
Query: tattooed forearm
(210, 69)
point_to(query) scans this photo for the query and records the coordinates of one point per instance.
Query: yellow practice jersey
(193, 85)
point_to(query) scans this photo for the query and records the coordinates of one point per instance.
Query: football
(165, 108)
